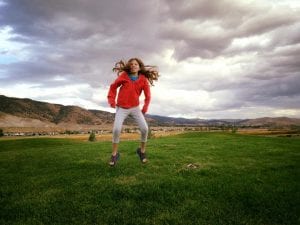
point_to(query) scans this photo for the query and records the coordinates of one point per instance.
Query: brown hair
(150, 72)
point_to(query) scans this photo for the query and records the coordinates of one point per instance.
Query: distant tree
(234, 129)
(1, 133)
(92, 136)
(223, 127)
(295, 128)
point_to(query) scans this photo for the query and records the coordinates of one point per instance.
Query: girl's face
(134, 66)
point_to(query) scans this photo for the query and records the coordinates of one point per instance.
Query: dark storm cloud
(82, 39)
(74, 19)
(207, 28)
(205, 9)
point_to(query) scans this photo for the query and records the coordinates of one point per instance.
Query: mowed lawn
(192, 178)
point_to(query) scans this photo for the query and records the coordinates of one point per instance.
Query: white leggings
(121, 115)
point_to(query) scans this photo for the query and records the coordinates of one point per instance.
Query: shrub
(92, 136)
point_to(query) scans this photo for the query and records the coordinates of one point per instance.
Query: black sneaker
(113, 160)
(141, 155)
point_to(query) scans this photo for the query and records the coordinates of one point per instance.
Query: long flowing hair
(150, 72)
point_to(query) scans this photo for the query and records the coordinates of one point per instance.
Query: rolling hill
(18, 112)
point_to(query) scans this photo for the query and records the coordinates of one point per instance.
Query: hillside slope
(17, 112)
(52, 113)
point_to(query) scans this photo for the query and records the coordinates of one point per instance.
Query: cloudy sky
(217, 58)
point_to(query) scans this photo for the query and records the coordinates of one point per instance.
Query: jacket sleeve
(111, 96)
(147, 94)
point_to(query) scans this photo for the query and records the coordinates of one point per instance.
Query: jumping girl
(133, 78)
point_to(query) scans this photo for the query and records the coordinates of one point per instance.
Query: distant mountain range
(18, 112)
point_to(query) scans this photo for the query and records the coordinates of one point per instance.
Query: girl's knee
(116, 131)
(144, 130)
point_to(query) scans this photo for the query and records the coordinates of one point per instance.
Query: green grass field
(193, 178)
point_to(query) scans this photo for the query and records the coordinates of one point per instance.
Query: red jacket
(129, 92)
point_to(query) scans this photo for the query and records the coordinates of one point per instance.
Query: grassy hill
(193, 178)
